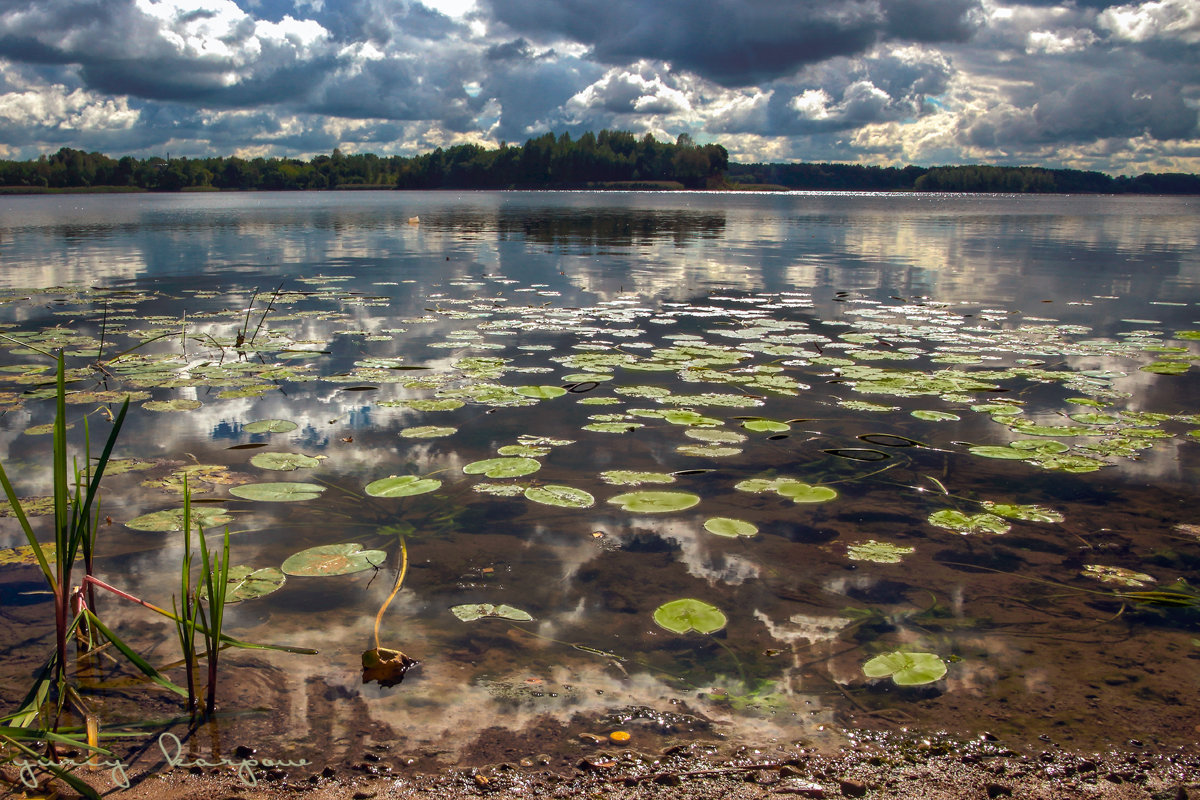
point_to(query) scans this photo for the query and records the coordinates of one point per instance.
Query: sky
(1085, 84)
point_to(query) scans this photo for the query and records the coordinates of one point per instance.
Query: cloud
(1164, 19)
(735, 43)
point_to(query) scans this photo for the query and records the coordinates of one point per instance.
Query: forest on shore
(609, 159)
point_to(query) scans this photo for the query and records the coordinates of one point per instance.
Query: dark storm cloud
(735, 42)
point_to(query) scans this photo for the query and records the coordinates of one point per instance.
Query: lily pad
(649, 502)
(508, 467)
(1029, 513)
(766, 426)
(427, 431)
(284, 462)
(473, 611)
(906, 669)
(565, 496)
(333, 559)
(965, 524)
(171, 519)
(247, 583)
(878, 552)
(624, 477)
(732, 528)
(402, 486)
(541, 392)
(689, 614)
(935, 416)
(277, 492)
(177, 404)
(270, 426)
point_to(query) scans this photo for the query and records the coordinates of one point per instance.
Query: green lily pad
(799, 492)
(171, 519)
(732, 528)
(178, 404)
(270, 426)
(878, 552)
(613, 427)
(402, 486)
(277, 492)
(1029, 513)
(32, 506)
(332, 559)
(247, 583)
(998, 451)
(935, 416)
(565, 496)
(541, 392)
(690, 614)
(427, 431)
(959, 522)
(624, 477)
(472, 611)
(766, 426)
(507, 467)
(906, 669)
(448, 404)
(284, 462)
(648, 502)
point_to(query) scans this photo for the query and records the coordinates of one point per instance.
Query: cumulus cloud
(881, 81)
(736, 42)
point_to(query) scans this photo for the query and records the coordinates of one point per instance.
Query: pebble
(853, 788)
(799, 787)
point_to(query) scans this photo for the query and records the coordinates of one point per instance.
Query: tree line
(970, 178)
(606, 159)
(610, 157)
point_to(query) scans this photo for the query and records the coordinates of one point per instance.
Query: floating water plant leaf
(1167, 367)
(732, 528)
(766, 426)
(284, 462)
(624, 477)
(1029, 513)
(959, 522)
(269, 426)
(386, 667)
(799, 492)
(177, 404)
(998, 451)
(1095, 418)
(426, 432)
(402, 486)
(714, 436)
(32, 506)
(508, 467)
(906, 669)
(277, 492)
(613, 427)
(473, 611)
(500, 489)
(649, 502)
(171, 519)
(448, 404)
(23, 554)
(708, 450)
(332, 559)
(541, 392)
(565, 496)
(1118, 575)
(690, 614)
(935, 416)
(677, 417)
(878, 552)
(247, 583)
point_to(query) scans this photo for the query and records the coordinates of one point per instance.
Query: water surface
(1015, 326)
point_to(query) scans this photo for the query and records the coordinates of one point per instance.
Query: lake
(714, 466)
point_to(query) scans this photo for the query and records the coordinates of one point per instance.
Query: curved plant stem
(395, 589)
